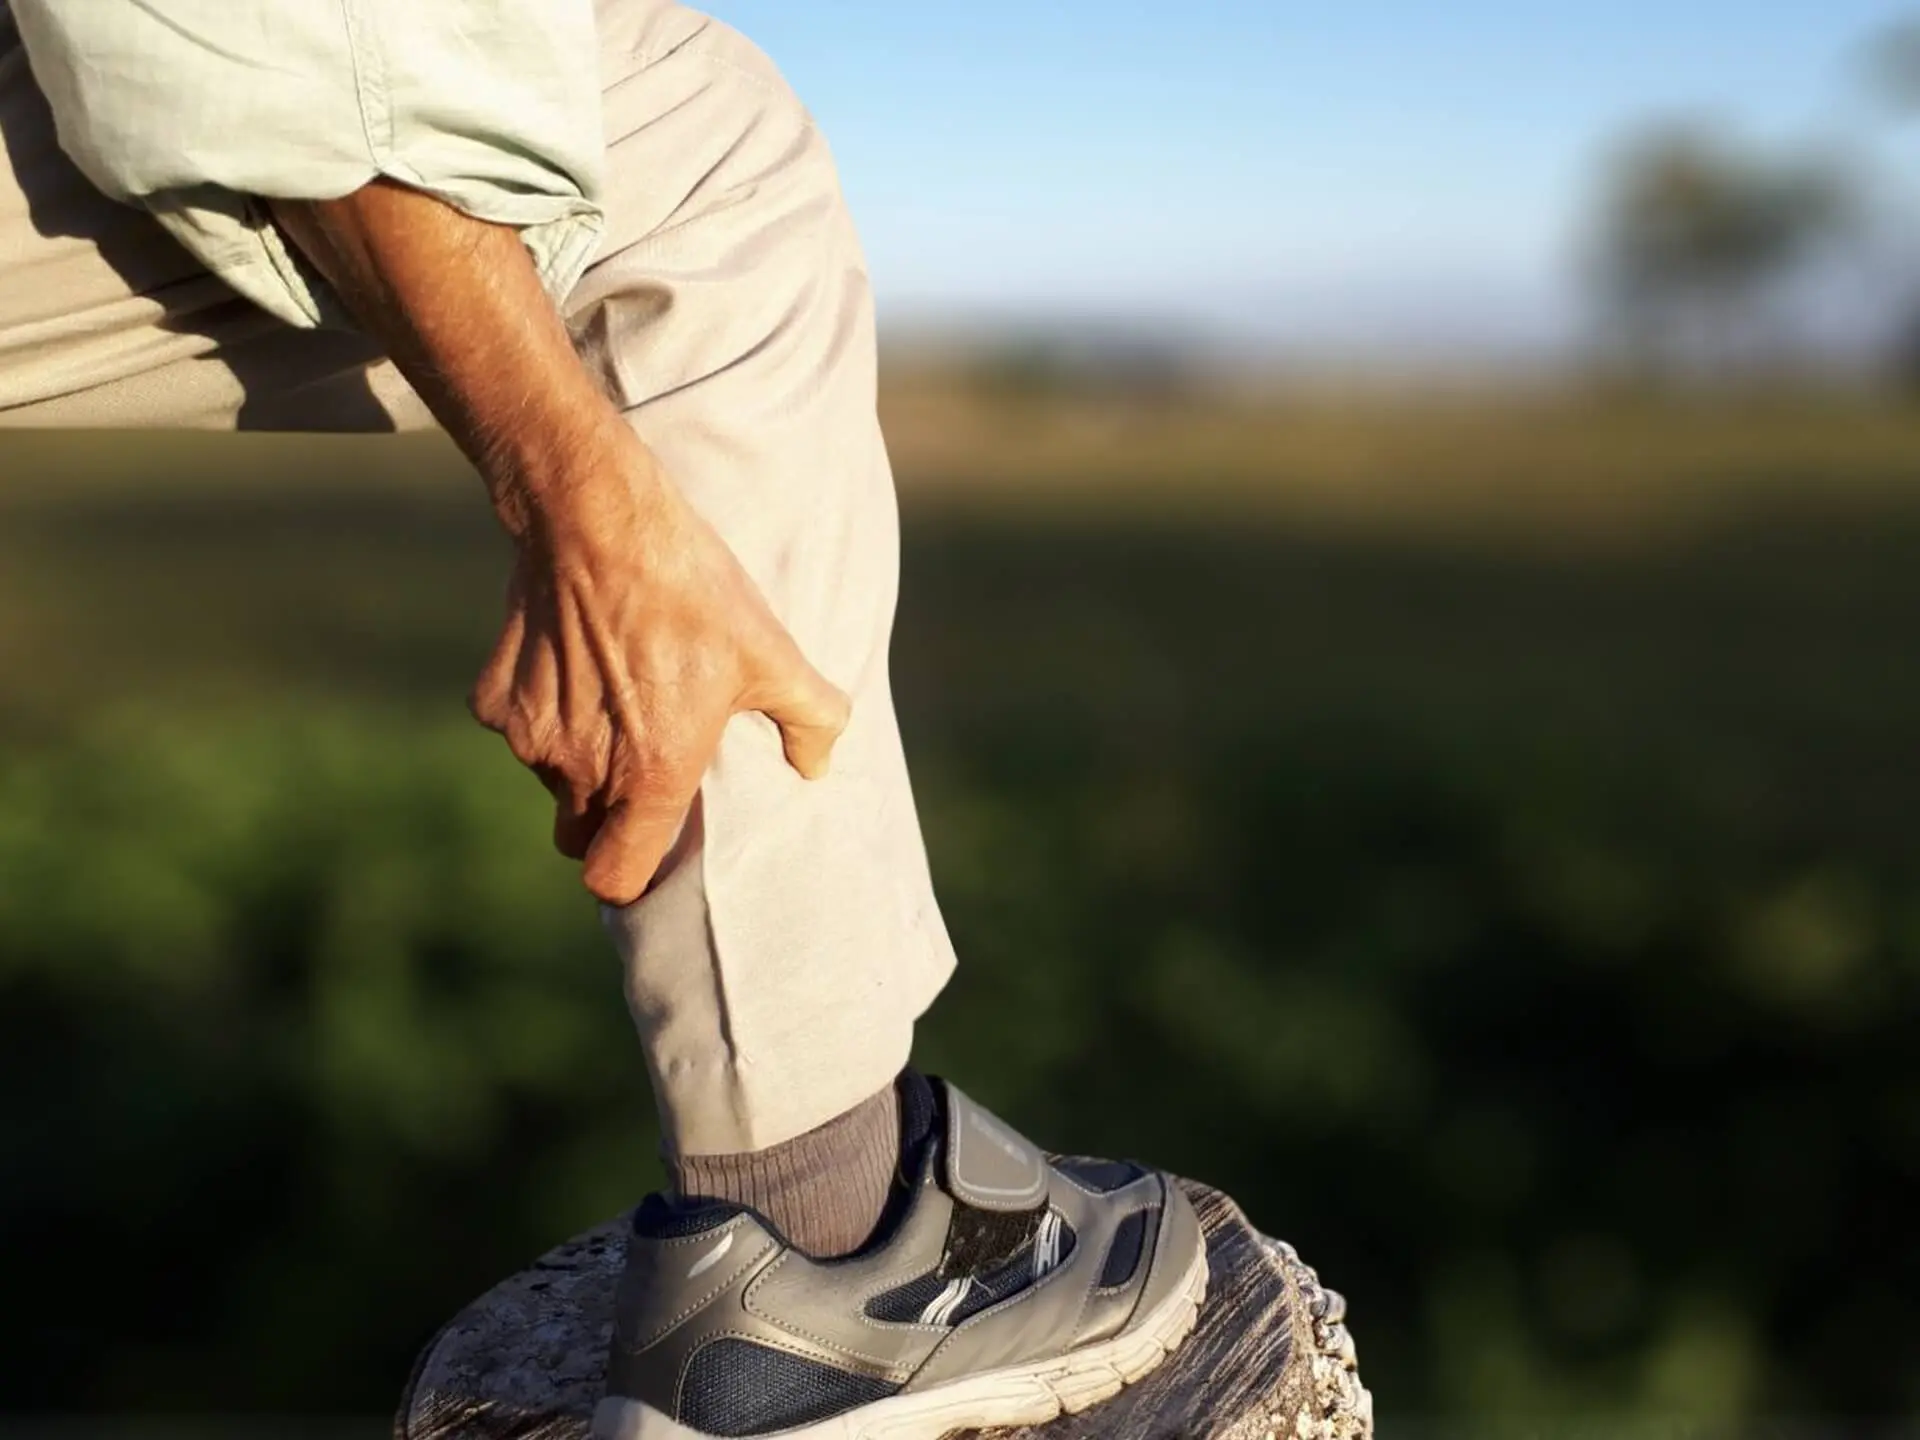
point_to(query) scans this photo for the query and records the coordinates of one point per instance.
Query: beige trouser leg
(776, 970)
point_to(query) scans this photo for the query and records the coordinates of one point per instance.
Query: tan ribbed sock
(825, 1189)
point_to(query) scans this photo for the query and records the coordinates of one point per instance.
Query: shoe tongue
(919, 1116)
(989, 1166)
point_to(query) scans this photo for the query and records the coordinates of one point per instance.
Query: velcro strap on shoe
(989, 1165)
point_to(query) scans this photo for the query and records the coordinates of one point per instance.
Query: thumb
(809, 709)
(811, 713)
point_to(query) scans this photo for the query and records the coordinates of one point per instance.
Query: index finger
(635, 834)
(627, 853)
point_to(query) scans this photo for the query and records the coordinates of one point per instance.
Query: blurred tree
(1894, 76)
(1697, 238)
(1895, 65)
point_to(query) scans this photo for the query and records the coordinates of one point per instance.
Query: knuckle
(535, 745)
(580, 760)
(525, 748)
(485, 708)
(645, 796)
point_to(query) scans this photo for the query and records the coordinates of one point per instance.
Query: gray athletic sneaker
(1005, 1288)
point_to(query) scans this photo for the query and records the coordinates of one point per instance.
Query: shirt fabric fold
(199, 109)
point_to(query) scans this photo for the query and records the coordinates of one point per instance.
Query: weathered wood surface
(1270, 1359)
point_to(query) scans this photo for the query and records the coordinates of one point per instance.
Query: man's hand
(632, 635)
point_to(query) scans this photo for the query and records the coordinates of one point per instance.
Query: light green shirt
(194, 108)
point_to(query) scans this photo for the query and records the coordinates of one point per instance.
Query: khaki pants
(776, 970)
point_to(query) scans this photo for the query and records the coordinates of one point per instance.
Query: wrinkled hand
(632, 636)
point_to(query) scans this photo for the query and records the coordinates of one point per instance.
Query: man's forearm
(459, 306)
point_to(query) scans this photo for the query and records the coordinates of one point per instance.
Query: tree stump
(1269, 1360)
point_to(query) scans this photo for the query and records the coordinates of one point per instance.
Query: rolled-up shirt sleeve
(197, 109)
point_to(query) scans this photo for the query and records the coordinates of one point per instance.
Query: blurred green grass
(1497, 869)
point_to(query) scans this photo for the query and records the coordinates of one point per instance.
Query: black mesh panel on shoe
(1132, 1240)
(734, 1387)
(1006, 1280)
(904, 1304)
(980, 1240)
(1101, 1176)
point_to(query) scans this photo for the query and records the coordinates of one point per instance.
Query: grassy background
(1477, 831)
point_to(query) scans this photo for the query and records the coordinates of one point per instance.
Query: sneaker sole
(1029, 1394)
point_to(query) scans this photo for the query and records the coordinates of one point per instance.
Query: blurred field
(1476, 830)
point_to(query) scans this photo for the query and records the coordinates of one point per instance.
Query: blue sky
(1340, 173)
